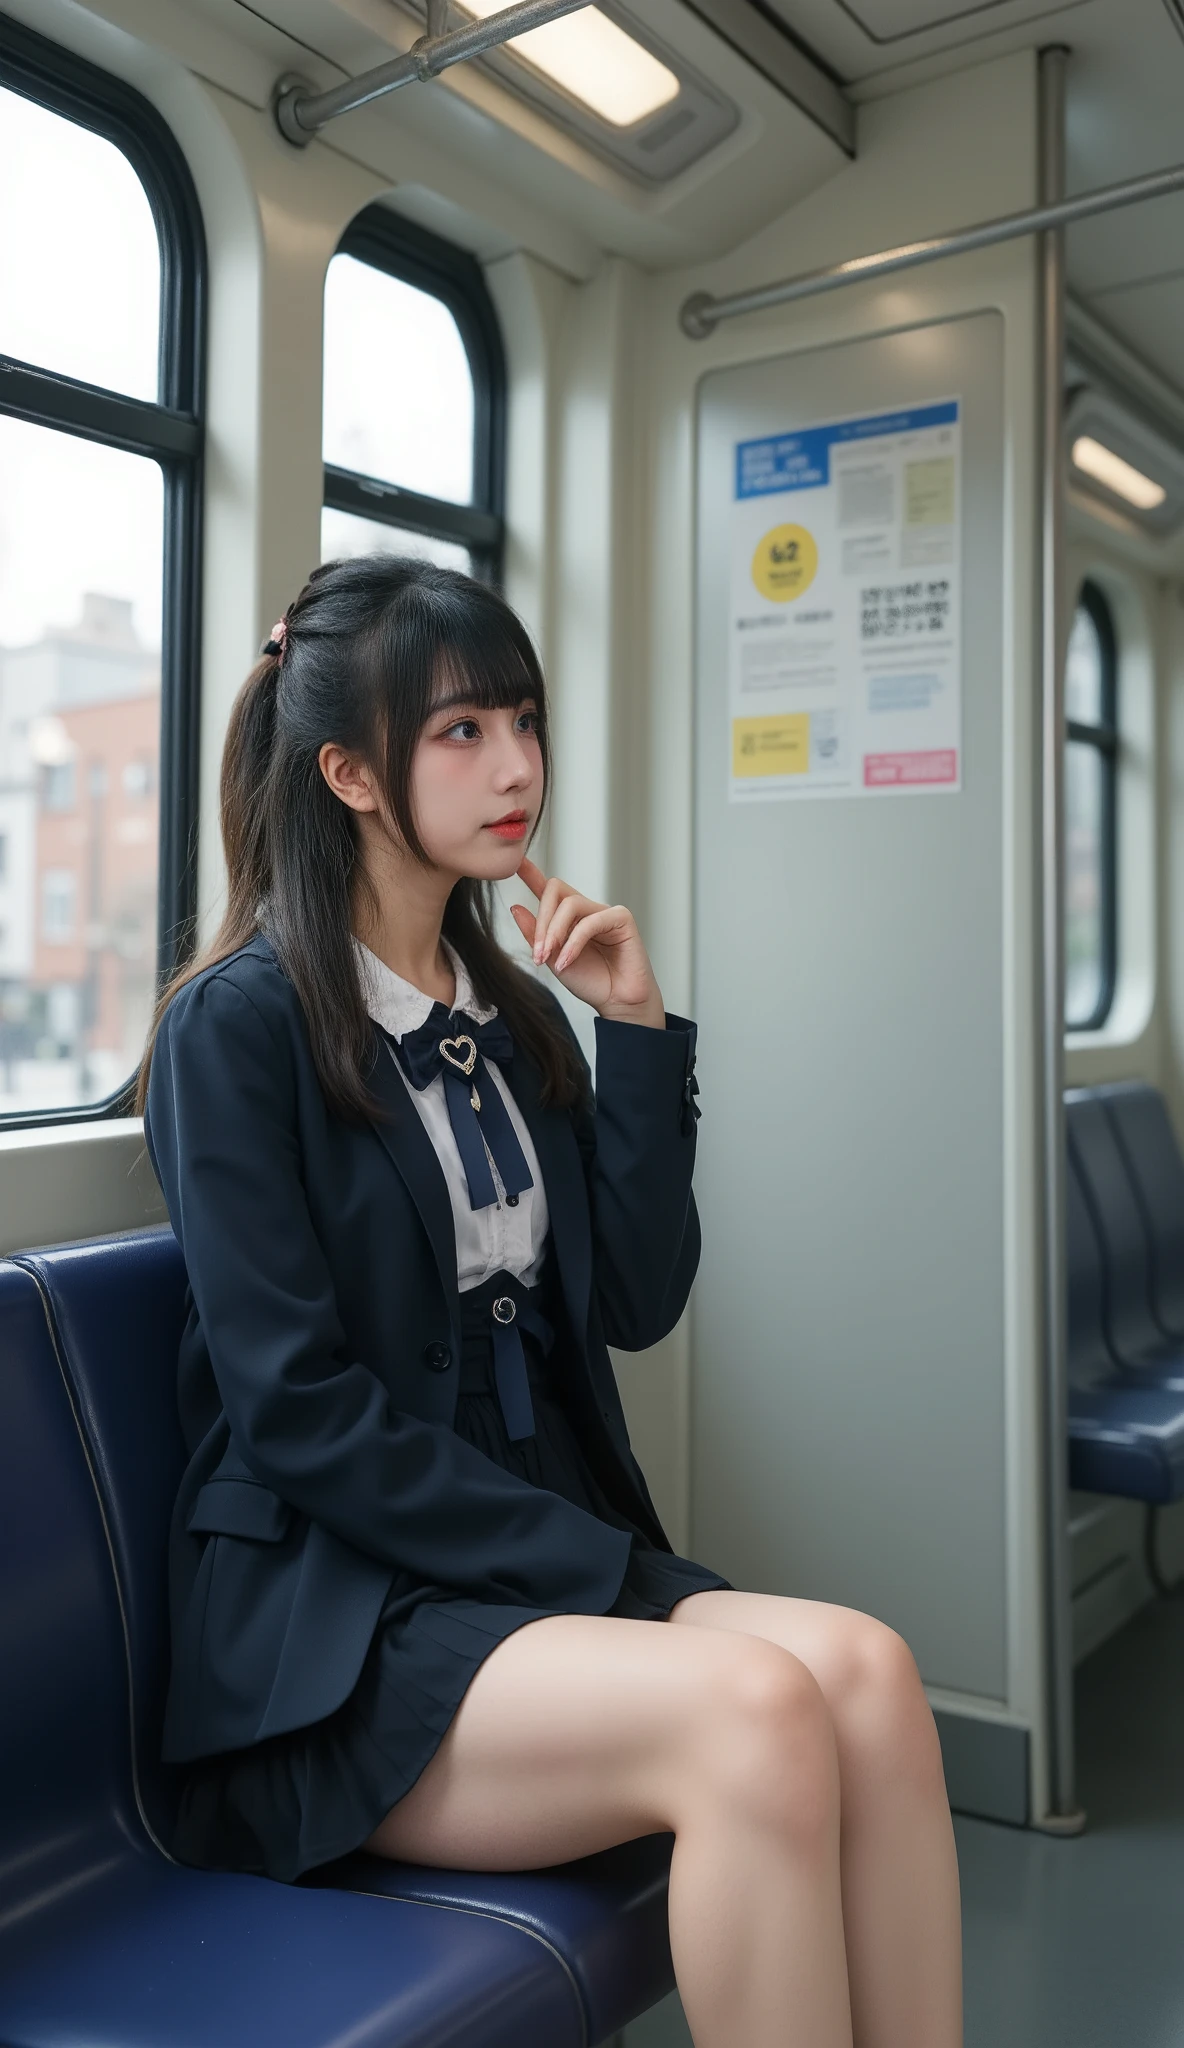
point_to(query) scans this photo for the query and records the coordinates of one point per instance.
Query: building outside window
(59, 891)
(414, 401)
(1091, 804)
(100, 448)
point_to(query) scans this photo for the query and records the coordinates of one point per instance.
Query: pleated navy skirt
(288, 1803)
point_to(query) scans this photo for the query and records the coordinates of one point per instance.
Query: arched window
(1091, 789)
(101, 253)
(414, 400)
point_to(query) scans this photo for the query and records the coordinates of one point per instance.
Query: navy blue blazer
(318, 1366)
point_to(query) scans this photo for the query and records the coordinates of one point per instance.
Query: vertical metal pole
(1063, 1816)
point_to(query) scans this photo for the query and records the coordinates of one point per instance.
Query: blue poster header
(800, 462)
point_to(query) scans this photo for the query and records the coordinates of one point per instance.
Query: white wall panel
(848, 1392)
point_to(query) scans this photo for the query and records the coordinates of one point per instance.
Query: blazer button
(437, 1356)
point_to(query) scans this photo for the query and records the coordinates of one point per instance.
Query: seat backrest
(64, 1755)
(1089, 1358)
(1139, 1116)
(1134, 1335)
(117, 1310)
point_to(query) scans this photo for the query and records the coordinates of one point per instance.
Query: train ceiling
(787, 74)
(1125, 81)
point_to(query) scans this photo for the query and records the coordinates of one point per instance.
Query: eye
(528, 721)
(462, 729)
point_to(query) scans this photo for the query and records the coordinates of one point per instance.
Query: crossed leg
(581, 1731)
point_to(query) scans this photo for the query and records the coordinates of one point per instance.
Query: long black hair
(368, 644)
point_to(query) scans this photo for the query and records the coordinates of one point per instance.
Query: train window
(100, 246)
(80, 198)
(1091, 775)
(414, 400)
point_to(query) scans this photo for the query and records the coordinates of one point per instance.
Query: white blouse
(510, 1234)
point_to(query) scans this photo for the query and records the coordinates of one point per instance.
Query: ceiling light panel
(603, 77)
(593, 59)
(1117, 454)
(1105, 467)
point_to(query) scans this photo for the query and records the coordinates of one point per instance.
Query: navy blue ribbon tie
(453, 1045)
(509, 1318)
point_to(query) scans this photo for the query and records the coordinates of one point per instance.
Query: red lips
(512, 826)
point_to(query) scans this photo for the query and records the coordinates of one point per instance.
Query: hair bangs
(488, 663)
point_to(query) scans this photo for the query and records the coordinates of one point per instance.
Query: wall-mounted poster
(845, 664)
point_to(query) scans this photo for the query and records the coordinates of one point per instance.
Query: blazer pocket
(240, 1507)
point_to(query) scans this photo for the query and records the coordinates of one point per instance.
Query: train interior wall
(604, 392)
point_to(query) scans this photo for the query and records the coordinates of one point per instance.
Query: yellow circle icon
(785, 563)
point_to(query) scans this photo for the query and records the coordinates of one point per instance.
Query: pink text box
(898, 771)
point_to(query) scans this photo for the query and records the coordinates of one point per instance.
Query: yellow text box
(771, 745)
(929, 492)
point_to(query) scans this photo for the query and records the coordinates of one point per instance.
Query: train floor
(1078, 1943)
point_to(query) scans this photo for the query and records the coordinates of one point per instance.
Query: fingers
(552, 896)
(560, 907)
(525, 921)
(572, 907)
(598, 924)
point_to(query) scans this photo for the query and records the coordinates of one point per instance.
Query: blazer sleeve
(312, 1423)
(637, 1141)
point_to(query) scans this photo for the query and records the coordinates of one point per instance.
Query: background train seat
(1135, 1336)
(1139, 1118)
(1125, 1437)
(1126, 1422)
(102, 1937)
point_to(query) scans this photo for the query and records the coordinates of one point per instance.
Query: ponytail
(247, 759)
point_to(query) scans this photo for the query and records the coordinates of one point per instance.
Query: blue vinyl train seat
(1139, 1117)
(103, 1938)
(1126, 1435)
(1135, 1337)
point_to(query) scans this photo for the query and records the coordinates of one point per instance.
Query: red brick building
(95, 870)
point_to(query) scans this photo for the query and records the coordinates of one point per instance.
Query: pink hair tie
(277, 640)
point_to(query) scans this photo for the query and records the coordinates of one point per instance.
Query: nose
(517, 763)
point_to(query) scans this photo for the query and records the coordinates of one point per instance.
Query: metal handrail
(701, 313)
(300, 110)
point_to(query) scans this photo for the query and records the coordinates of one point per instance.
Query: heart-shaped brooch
(450, 1050)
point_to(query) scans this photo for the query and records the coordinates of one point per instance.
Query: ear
(348, 777)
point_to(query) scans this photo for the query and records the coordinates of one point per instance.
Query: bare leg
(581, 1731)
(899, 1866)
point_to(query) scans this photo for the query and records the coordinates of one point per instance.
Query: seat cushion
(1127, 1440)
(605, 1915)
(146, 1954)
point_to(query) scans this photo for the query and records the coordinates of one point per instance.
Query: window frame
(1105, 739)
(170, 432)
(410, 253)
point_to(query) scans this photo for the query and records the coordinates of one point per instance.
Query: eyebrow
(459, 700)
